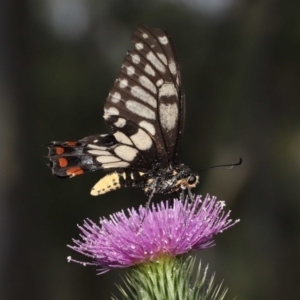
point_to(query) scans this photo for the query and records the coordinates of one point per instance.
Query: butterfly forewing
(148, 92)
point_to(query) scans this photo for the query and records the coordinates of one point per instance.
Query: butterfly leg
(192, 197)
(147, 206)
(181, 196)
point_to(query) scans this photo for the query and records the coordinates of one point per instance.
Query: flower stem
(169, 278)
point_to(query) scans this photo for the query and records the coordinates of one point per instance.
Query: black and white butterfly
(144, 113)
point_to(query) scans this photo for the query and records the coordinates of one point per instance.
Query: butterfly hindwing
(105, 151)
(69, 159)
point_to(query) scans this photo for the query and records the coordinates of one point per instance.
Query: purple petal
(123, 241)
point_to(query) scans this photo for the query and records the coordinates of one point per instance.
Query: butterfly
(144, 113)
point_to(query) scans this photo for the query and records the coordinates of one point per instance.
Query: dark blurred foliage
(241, 70)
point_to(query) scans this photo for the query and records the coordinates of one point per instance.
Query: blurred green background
(241, 73)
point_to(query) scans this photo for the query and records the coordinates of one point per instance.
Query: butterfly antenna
(227, 166)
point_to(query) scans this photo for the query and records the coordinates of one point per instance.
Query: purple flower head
(166, 230)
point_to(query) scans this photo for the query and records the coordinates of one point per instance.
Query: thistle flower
(147, 235)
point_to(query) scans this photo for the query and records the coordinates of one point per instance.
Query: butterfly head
(189, 181)
(185, 178)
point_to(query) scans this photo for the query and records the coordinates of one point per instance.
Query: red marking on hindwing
(59, 150)
(71, 144)
(74, 171)
(62, 162)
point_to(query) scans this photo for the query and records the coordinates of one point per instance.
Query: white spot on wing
(123, 83)
(167, 90)
(156, 62)
(145, 35)
(142, 140)
(112, 111)
(122, 138)
(126, 152)
(168, 114)
(135, 58)
(139, 46)
(172, 67)
(120, 123)
(91, 146)
(162, 58)
(159, 82)
(99, 152)
(115, 97)
(121, 164)
(149, 70)
(107, 159)
(141, 94)
(147, 83)
(140, 109)
(148, 126)
(163, 40)
(130, 70)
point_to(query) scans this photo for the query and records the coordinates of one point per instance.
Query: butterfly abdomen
(117, 180)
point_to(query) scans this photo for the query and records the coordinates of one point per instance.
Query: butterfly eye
(192, 179)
